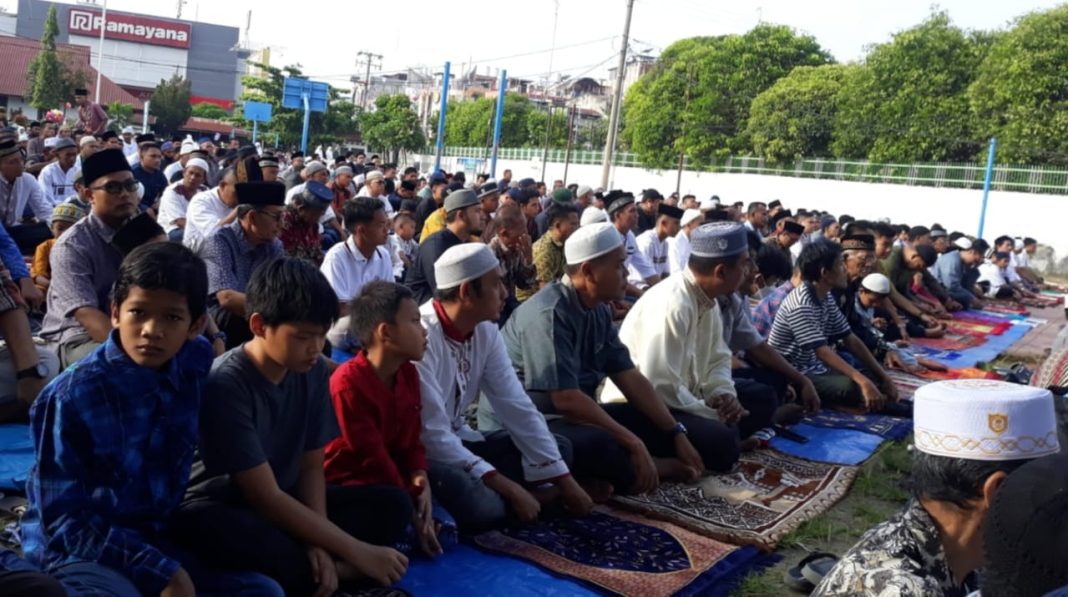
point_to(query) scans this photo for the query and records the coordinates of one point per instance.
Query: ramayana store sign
(129, 28)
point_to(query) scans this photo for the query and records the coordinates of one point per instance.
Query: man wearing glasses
(85, 263)
(234, 251)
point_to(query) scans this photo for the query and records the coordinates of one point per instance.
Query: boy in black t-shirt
(258, 499)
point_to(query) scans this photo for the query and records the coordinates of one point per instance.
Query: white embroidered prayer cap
(963, 243)
(877, 283)
(590, 242)
(592, 215)
(689, 216)
(982, 419)
(463, 263)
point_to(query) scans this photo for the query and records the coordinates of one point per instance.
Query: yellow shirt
(434, 222)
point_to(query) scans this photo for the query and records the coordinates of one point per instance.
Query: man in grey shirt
(85, 263)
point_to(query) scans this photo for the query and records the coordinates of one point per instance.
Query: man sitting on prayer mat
(969, 436)
(481, 476)
(809, 324)
(675, 335)
(563, 344)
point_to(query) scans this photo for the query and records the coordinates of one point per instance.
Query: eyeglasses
(276, 216)
(115, 187)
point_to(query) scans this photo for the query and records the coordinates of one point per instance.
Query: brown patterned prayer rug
(767, 496)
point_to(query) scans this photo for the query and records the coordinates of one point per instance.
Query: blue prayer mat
(895, 428)
(833, 446)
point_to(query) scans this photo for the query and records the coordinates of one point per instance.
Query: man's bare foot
(547, 494)
(672, 469)
(749, 444)
(600, 491)
(936, 332)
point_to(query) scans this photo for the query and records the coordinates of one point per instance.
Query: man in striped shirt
(809, 324)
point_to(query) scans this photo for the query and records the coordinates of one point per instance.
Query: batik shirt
(902, 557)
(549, 259)
(764, 314)
(520, 276)
(300, 239)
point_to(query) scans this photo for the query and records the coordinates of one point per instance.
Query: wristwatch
(679, 428)
(220, 335)
(38, 371)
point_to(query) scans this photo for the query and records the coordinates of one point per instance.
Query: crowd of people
(270, 363)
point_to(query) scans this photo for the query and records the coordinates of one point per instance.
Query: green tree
(591, 135)
(470, 123)
(338, 122)
(208, 110)
(536, 121)
(52, 80)
(794, 118)
(911, 103)
(120, 115)
(720, 76)
(1020, 93)
(170, 104)
(393, 126)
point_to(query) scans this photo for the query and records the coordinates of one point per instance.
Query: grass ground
(878, 492)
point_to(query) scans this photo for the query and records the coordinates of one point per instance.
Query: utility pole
(681, 140)
(570, 138)
(368, 58)
(617, 99)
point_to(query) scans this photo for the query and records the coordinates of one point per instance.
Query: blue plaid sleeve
(71, 488)
(12, 257)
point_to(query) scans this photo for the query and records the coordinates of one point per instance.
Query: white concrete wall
(1015, 214)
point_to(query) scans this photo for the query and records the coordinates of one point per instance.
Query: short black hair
(954, 236)
(773, 263)
(706, 265)
(845, 219)
(560, 211)
(981, 245)
(1030, 241)
(1003, 239)
(954, 480)
(290, 290)
(927, 253)
(754, 240)
(360, 210)
(164, 266)
(884, 230)
(753, 207)
(411, 170)
(377, 303)
(817, 257)
(917, 231)
(451, 294)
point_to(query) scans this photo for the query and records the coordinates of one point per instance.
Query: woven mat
(886, 427)
(624, 553)
(766, 497)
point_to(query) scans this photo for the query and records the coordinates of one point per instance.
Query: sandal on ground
(817, 565)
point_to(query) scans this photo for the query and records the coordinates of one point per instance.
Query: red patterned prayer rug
(766, 497)
(624, 553)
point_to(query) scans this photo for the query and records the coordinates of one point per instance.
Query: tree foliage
(911, 104)
(1020, 94)
(718, 77)
(393, 126)
(120, 115)
(170, 104)
(52, 80)
(470, 123)
(794, 118)
(340, 120)
(209, 110)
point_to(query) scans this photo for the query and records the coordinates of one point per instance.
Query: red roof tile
(16, 54)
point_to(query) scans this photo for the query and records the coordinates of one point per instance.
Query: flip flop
(817, 565)
(793, 579)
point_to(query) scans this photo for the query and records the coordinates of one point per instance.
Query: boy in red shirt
(377, 402)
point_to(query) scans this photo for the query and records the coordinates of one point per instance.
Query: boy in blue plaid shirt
(115, 435)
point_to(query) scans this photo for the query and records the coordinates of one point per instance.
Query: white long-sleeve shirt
(678, 252)
(654, 250)
(674, 334)
(16, 195)
(173, 206)
(202, 218)
(451, 376)
(56, 184)
(988, 272)
(638, 267)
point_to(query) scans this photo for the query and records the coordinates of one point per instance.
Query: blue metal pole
(255, 129)
(987, 181)
(441, 119)
(497, 123)
(307, 123)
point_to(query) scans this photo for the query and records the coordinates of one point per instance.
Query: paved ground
(1035, 345)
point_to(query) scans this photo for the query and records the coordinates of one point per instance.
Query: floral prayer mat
(766, 497)
(624, 553)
